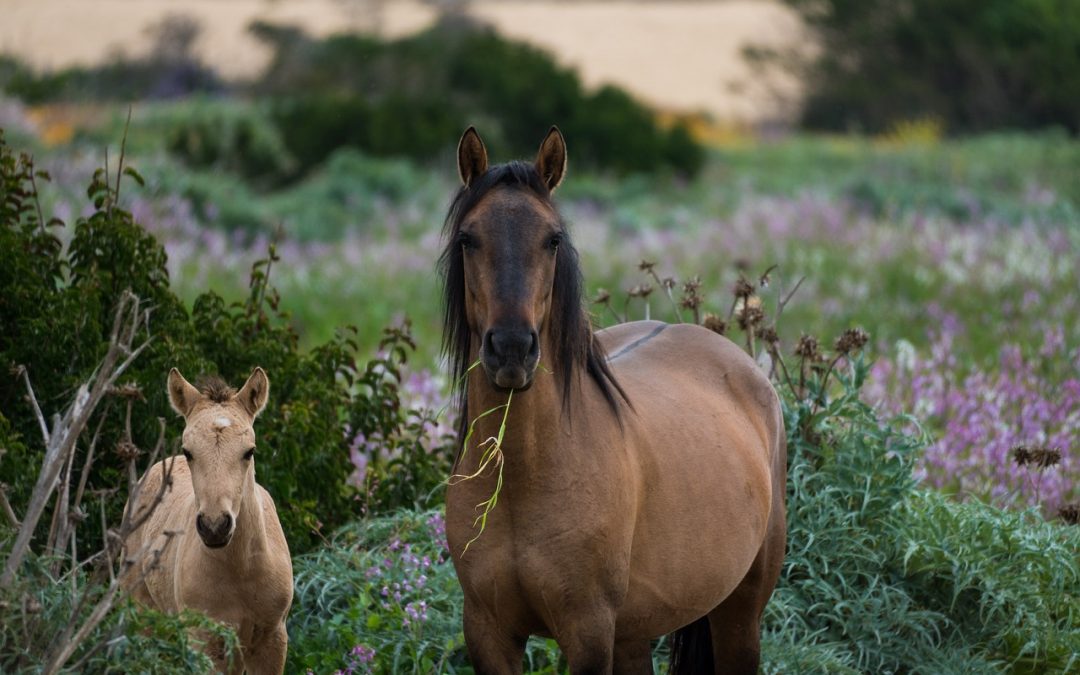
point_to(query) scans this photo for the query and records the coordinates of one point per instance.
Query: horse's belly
(702, 519)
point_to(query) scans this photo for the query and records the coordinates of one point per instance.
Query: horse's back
(655, 360)
(706, 436)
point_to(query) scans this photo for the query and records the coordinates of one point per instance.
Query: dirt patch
(674, 55)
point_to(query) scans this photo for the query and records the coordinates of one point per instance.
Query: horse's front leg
(587, 638)
(633, 657)
(492, 650)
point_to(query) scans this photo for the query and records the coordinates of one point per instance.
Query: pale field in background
(683, 56)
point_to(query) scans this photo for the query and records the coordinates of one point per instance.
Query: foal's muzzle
(214, 533)
(509, 356)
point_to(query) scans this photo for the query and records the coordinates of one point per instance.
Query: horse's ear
(551, 160)
(472, 160)
(182, 395)
(255, 392)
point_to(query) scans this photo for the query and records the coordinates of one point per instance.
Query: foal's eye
(249, 454)
(553, 243)
(187, 455)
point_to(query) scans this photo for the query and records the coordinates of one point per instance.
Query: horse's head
(219, 445)
(506, 239)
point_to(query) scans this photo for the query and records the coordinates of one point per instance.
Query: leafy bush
(237, 139)
(975, 65)
(382, 596)
(131, 639)
(56, 306)
(414, 96)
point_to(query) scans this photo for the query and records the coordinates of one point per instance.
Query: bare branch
(9, 513)
(783, 301)
(34, 403)
(68, 428)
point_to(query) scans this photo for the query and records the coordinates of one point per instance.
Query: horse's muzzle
(215, 534)
(510, 356)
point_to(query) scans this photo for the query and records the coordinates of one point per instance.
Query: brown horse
(644, 465)
(238, 570)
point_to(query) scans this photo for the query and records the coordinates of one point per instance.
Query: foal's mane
(214, 388)
(569, 323)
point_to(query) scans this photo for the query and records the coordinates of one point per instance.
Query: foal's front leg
(266, 653)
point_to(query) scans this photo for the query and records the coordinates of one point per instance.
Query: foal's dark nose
(214, 534)
(511, 355)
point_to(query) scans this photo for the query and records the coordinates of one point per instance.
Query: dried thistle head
(690, 298)
(1070, 513)
(646, 266)
(602, 296)
(126, 450)
(1038, 456)
(851, 340)
(768, 336)
(668, 282)
(751, 314)
(640, 291)
(715, 324)
(743, 288)
(1045, 457)
(808, 348)
(1021, 455)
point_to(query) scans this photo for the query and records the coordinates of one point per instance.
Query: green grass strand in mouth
(492, 452)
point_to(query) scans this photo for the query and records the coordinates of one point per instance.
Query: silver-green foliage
(882, 575)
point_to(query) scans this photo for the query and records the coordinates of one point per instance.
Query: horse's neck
(534, 423)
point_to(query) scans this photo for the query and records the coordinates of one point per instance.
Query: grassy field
(961, 258)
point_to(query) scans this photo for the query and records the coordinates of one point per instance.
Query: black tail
(691, 649)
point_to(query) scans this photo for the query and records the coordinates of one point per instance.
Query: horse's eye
(249, 454)
(466, 241)
(553, 243)
(187, 455)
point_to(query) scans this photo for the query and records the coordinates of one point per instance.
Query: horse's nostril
(226, 525)
(489, 342)
(534, 349)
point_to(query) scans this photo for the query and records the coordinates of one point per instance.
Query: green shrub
(132, 639)
(56, 306)
(414, 97)
(974, 65)
(884, 576)
(383, 594)
(237, 139)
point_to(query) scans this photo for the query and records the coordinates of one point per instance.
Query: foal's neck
(250, 536)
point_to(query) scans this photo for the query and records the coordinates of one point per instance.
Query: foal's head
(512, 280)
(219, 446)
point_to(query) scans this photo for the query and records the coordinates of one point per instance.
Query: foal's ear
(255, 392)
(472, 158)
(182, 395)
(551, 160)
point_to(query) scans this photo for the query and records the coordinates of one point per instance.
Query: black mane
(572, 332)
